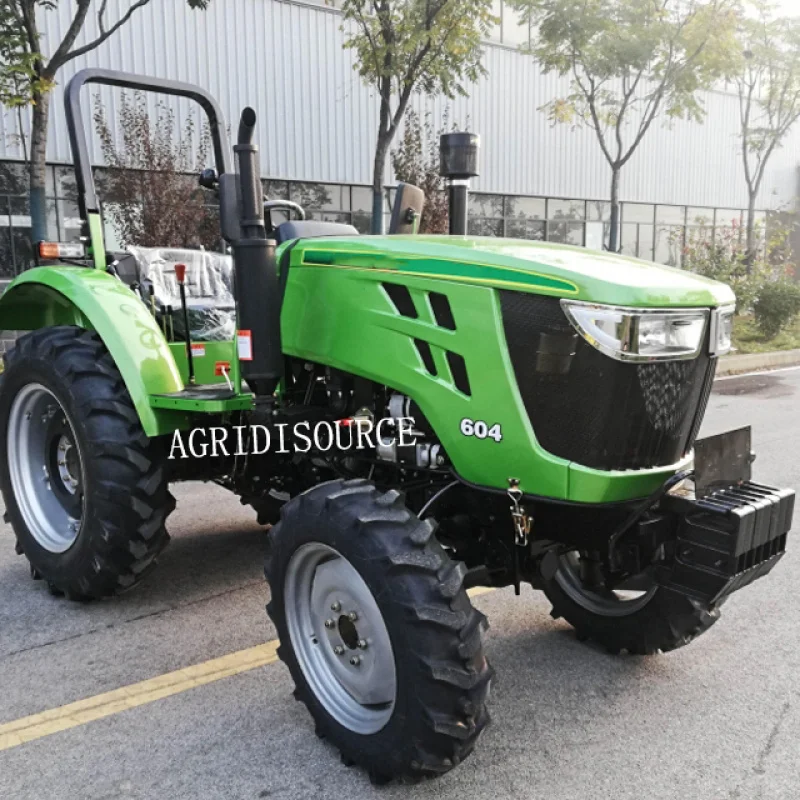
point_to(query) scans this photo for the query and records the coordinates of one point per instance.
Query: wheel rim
(619, 602)
(45, 468)
(340, 638)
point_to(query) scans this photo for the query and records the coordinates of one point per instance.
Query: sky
(790, 7)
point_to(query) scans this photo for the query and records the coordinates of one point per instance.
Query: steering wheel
(282, 205)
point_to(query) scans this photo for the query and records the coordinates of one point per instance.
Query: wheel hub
(68, 464)
(45, 468)
(340, 638)
(579, 581)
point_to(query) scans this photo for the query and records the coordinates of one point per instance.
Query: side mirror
(407, 211)
(208, 179)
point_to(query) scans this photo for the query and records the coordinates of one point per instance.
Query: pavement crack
(760, 766)
(118, 624)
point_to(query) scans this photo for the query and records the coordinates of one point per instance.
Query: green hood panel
(539, 267)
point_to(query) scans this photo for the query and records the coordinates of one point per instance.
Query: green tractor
(413, 415)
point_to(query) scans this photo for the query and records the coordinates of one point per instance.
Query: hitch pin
(521, 520)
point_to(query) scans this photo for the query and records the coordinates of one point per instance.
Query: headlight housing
(721, 329)
(639, 334)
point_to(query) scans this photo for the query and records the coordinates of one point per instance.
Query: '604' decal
(480, 429)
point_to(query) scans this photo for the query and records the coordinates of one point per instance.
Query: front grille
(587, 407)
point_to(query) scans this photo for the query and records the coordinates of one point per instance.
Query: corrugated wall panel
(318, 120)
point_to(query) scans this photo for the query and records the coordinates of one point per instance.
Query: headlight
(639, 334)
(721, 330)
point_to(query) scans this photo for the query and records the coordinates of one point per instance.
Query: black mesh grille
(587, 407)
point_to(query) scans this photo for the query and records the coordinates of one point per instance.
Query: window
(598, 210)
(653, 232)
(276, 190)
(699, 216)
(669, 245)
(671, 215)
(637, 212)
(629, 234)
(566, 209)
(645, 248)
(526, 207)
(525, 229)
(484, 227)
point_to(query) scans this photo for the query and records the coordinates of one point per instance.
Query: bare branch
(62, 51)
(105, 33)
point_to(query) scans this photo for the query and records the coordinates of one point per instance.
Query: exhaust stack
(458, 162)
(257, 296)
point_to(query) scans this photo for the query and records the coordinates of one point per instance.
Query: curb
(752, 362)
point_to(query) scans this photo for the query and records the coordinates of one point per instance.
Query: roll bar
(87, 195)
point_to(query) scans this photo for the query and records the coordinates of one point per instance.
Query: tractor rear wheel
(85, 490)
(377, 631)
(641, 618)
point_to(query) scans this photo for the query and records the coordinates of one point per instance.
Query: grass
(748, 339)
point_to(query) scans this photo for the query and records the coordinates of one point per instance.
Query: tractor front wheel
(377, 631)
(85, 490)
(640, 617)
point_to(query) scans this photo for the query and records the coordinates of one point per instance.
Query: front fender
(93, 299)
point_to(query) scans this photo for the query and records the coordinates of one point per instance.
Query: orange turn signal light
(61, 250)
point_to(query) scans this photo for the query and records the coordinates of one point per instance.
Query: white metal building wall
(317, 119)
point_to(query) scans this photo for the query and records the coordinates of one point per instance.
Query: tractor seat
(311, 229)
(209, 290)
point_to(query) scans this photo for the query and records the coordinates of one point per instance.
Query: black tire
(125, 500)
(666, 621)
(443, 676)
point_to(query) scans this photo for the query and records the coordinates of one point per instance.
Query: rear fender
(95, 300)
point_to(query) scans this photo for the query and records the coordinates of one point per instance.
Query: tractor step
(209, 399)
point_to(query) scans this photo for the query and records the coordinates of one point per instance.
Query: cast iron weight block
(727, 539)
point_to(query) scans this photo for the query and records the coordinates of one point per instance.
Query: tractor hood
(538, 267)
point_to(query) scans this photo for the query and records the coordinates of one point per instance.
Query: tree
(768, 83)
(408, 45)
(26, 69)
(630, 61)
(416, 161)
(151, 189)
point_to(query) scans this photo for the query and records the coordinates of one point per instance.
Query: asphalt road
(719, 719)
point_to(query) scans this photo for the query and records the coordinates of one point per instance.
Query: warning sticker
(198, 350)
(244, 341)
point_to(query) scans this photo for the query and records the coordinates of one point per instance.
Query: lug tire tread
(130, 504)
(668, 621)
(440, 628)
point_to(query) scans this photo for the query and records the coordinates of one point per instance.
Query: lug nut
(352, 616)
(337, 606)
(339, 650)
(362, 644)
(355, 661)
(329, 623)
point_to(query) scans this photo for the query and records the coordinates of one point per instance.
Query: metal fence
(650, 231)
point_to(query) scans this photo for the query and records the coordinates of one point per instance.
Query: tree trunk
(38, 167)
(613, 237)
(378, 177)
(750, 231)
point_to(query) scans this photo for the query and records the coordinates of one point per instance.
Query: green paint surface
(93, 299)
(336, 312)
(541, 267)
